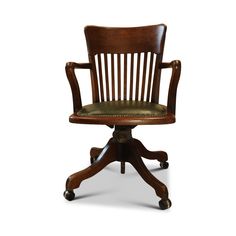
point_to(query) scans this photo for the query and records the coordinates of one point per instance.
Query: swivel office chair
(125, 66)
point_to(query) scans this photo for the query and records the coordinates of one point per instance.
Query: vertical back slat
(113, 77)
(143, 82)
(94, 80)
(144, 76)
(149, 77)
(137, 78)
(124, 62)
(118, 77)
(131, 76)
(125, 76)
(100, 77)
(106, 77)
(156, 82)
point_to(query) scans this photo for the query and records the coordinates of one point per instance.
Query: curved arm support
(175, 76)
(70, 72)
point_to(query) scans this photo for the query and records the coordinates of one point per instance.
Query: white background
(40, 148)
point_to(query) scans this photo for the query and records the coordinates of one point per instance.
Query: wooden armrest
(166, 65)
(75, 65)
(70, 72)
(175, 76)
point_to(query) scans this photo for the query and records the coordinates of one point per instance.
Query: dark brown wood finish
(176, 69)
(131, 76)
(123, 148)
(122, 167)
(70, 72)
(144, 76)
(127, 42)
(160, 156)
(125, 64)
(134, 120)
(125, 76)
(107, 77)
(143, 48)
(113, 77)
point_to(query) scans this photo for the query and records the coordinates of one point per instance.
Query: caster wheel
(69, 195)
(165, 204)
(93, 159)
(164, 165)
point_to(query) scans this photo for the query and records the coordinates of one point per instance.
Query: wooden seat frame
(122, 146)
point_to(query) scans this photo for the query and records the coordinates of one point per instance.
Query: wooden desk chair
(125, 66)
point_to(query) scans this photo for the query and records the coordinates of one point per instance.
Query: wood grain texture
(131, 77)
(125, 64)
(118, 77)
(100, 78)
(127, 69)
(125, 76)
(144, 76)
(113, 77)
(130, 150)
(70, 72)
(147, 120)
(125, 39)
(150, 78)
(137, 78)
(107, 78)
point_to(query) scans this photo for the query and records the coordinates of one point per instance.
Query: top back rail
(125, 62)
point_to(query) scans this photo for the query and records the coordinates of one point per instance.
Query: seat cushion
(123, 113)
(123, 109)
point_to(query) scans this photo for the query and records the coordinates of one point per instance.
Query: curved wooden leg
(95, 152)
(161, 156)
(122, 147)
(107, 156)
(160, 189)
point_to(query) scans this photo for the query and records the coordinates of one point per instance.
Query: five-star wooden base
(123, 148)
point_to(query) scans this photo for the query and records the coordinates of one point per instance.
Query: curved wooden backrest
(125, 62)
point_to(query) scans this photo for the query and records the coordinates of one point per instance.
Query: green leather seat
(123, 109)
(123, 113)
